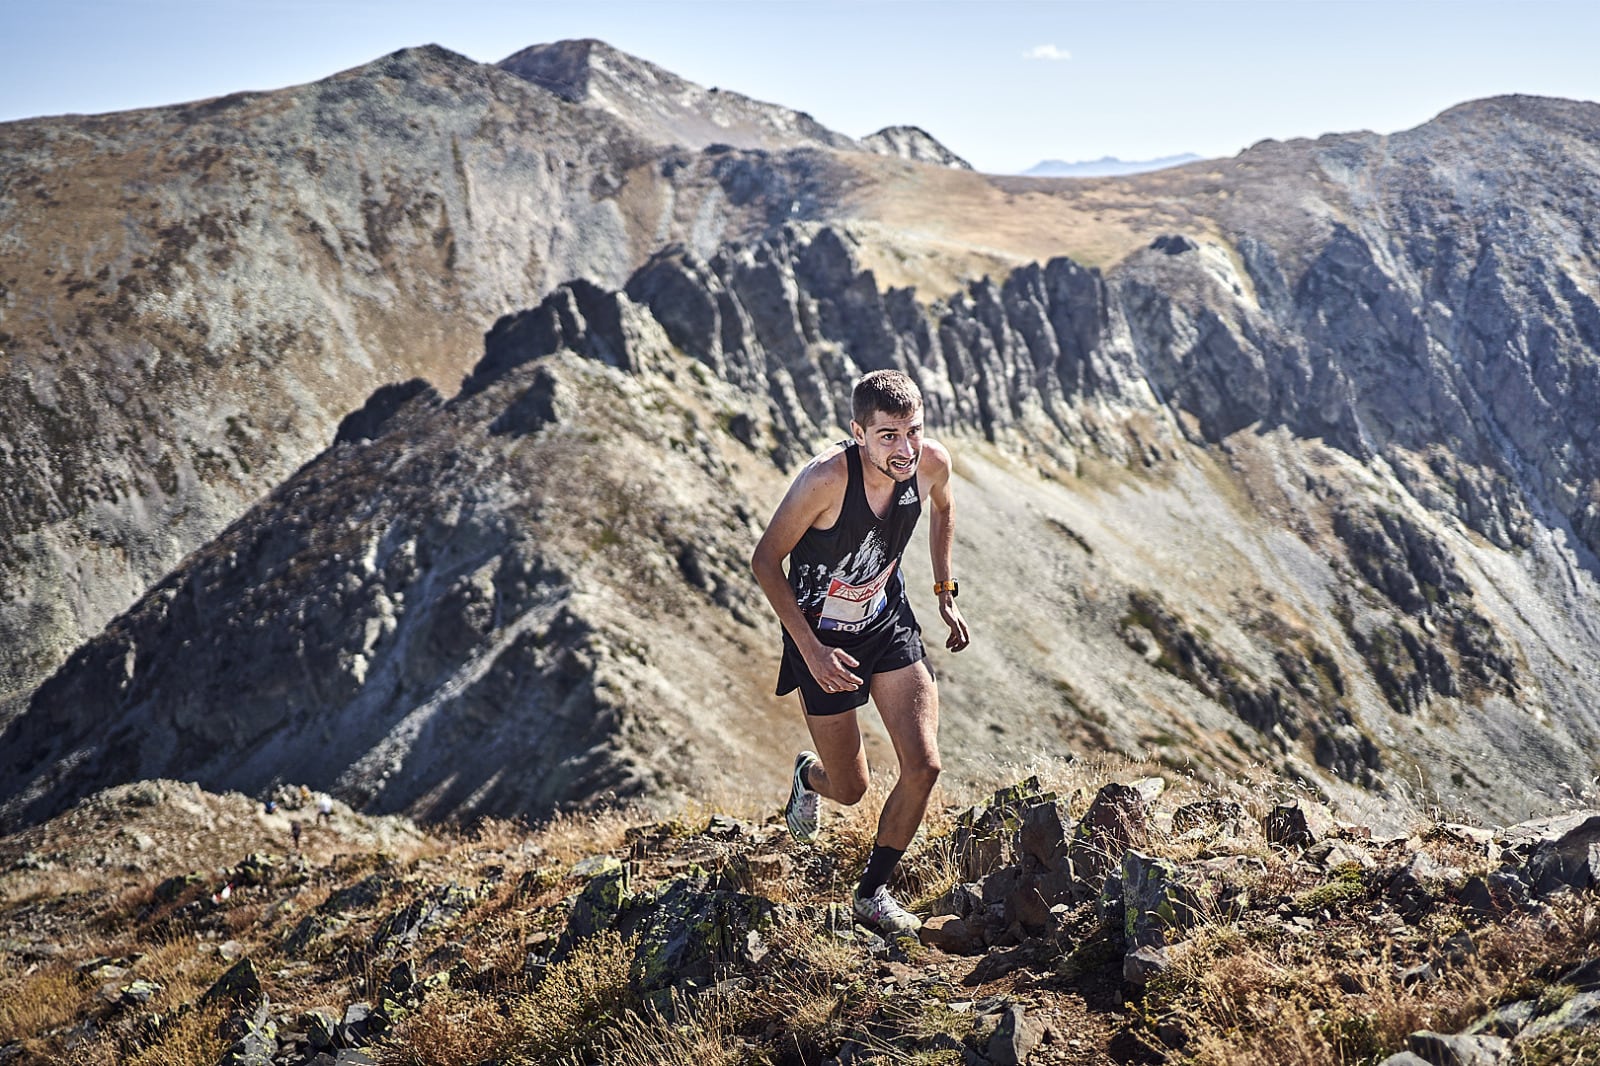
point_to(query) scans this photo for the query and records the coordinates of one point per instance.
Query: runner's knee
(849, 790)
(922, 774)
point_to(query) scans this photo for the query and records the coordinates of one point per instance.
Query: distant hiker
(270, 807)
(294, 833)
(848, 627)
(305, 796)
(324, 809)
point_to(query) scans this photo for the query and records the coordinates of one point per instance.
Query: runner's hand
(959, 637)
(831, 668)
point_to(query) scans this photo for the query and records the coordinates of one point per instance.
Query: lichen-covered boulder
(241, 984)
(441, 906)
(1158, 898)
(253, 869)
(986, 837)
(254, 1036)
(597, 907)
(686, 930)
(311, 931)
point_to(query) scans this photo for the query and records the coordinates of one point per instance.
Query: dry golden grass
(702, 1032)
(569, 838)
(46, 999)
(815, 996)
(190, 1040)
(496, 945)
(1246, 999)
(448, 1029)
(182, 971)
(576, 999)
(28, 886)
(1245, 989)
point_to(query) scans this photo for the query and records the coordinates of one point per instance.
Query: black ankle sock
(879, 866)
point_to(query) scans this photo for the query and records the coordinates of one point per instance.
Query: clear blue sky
(1005, 84)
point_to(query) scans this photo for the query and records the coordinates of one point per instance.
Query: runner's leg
(842, 777)
(908, 702)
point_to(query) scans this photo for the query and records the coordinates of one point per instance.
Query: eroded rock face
(426, 620)
(659, 105)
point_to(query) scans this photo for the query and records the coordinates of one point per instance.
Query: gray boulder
(1117, 819)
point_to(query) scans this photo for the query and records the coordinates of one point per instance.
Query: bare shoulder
(936, 462)
(827, 471)
(818, 489)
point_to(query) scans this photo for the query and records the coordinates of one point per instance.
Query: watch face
(955, 587)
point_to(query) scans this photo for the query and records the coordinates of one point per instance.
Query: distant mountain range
(1105, 166)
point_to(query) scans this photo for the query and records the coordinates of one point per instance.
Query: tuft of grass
(1347, 886)
(578, 998)
(702, 1032)
(189, 1039)
(182, 972)
(816, 996)
(38, 1002)
(449, 1029)
(569, 837)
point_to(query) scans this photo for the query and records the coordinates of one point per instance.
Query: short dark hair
(889, 392)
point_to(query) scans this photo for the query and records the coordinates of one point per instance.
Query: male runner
(848, 628)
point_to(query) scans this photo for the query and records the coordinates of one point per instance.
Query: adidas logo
(908, 496)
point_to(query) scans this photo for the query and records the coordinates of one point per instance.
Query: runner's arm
(942, 539)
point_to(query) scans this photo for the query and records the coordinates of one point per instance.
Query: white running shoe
(881, 912)
(803, 812)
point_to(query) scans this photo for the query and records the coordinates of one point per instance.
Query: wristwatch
(951, 586)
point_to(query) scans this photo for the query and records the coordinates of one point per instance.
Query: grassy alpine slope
(712, 938)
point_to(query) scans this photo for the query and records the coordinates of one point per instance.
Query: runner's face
(892, 445)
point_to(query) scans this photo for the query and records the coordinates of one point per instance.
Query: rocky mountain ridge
(1105, 166)
(914, 143)
(434, 594)
(659, 105)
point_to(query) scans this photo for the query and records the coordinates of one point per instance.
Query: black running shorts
(891, 647)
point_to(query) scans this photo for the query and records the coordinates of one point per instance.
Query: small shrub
(704, 1032)
(1347, 886)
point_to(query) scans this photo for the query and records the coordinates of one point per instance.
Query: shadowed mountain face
(1301, 471)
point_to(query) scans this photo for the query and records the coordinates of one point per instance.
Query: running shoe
(803, 812)
(882, 913)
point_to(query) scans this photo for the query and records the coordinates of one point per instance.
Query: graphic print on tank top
(848, 607)
(846, 576)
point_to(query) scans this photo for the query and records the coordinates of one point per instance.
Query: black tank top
(847, 578)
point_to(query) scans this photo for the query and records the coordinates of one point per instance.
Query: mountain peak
(914, 143)
(660, 105)
(562, 67)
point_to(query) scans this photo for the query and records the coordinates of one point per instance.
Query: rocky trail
(1116, 917)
